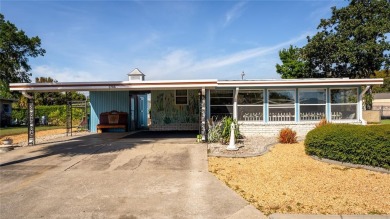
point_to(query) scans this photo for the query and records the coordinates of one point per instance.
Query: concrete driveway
(106, 176)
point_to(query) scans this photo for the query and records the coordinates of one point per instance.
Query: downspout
(364, 122)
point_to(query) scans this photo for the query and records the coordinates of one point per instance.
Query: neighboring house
(260, 106)
(381, 102)
(6, 111)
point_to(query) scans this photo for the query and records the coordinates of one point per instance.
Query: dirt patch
(21, 139)
(286, 180)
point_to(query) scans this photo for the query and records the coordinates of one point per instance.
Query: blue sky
(105, 40)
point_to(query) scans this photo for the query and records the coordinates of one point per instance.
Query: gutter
(364, 122)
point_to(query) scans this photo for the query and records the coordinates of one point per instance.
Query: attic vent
(136, 75)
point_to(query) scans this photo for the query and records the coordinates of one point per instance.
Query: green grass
(385, 121)
(23, 130)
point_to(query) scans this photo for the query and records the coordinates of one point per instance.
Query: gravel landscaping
(286, 180)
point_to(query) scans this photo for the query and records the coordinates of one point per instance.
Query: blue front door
(142, 111)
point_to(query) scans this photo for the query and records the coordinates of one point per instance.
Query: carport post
(203, 114)
(31, 119)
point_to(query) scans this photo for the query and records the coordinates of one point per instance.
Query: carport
(180, 105)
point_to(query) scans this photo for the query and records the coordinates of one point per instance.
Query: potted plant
(7, 141)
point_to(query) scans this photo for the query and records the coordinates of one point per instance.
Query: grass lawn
(385, 121)
(286, 180)
(23, 130)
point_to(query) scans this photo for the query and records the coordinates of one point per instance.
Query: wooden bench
(112, 120)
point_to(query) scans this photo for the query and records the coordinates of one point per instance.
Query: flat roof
(188, 84)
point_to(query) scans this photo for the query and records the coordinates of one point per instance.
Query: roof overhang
(302, 82)
(187, 84)
(113, 85)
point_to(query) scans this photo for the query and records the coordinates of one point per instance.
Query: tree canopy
(351, 43)
(293, 64)
(15, 49)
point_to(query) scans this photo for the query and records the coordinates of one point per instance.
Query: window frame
(219, 105)
(343, 104)
(279, 105)
(181, 96)
(252, 105)
(312, 104)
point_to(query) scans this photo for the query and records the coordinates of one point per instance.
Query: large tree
(15, 49)
(353, 42)
(293, 64)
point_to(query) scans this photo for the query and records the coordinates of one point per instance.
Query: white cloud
(258, 62)
(183, 64)
(64, 75)
(234, 13)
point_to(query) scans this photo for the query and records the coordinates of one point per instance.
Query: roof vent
(136, 75)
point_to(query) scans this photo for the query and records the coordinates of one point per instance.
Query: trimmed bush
(287, 136)
(367, 145)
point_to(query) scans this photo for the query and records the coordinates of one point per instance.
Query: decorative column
(235, 103)
(203, 114)
(31, 121)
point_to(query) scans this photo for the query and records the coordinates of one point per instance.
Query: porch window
(181, 97)
(250, 105)
(312, 104)
(281, 105)
(221, 103)
(344, 103)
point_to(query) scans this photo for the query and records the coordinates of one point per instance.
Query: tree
(15, 49)
(294, 65)
(352, 43)
(54, 98)
(385, 88)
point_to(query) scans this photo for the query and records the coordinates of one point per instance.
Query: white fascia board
(111, 86)
(301, 83)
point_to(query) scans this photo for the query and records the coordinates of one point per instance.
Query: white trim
(187, 84)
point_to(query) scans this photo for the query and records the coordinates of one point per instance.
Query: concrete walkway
(104, 176)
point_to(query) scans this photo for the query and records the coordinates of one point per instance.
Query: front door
(142, 111)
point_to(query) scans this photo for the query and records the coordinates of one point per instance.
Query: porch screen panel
(221, 103)
(281, 105)
(344, 103)
(312, 104)
(250, 105)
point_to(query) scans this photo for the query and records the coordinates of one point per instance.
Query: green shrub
(367, 145)
(55, 113)
(287, 136)
(220, 130)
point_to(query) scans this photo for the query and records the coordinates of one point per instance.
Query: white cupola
(136, 75)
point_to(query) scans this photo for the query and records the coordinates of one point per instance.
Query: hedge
(56, 114)
(367, 145)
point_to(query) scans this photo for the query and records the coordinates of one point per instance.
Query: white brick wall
(273, 129)
(175, 127)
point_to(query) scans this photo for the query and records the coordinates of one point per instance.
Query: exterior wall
(105, 101)
(273, 129)
(166, 115)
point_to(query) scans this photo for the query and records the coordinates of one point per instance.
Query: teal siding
(105, 101)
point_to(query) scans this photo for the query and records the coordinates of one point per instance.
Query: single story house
(260, 106)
